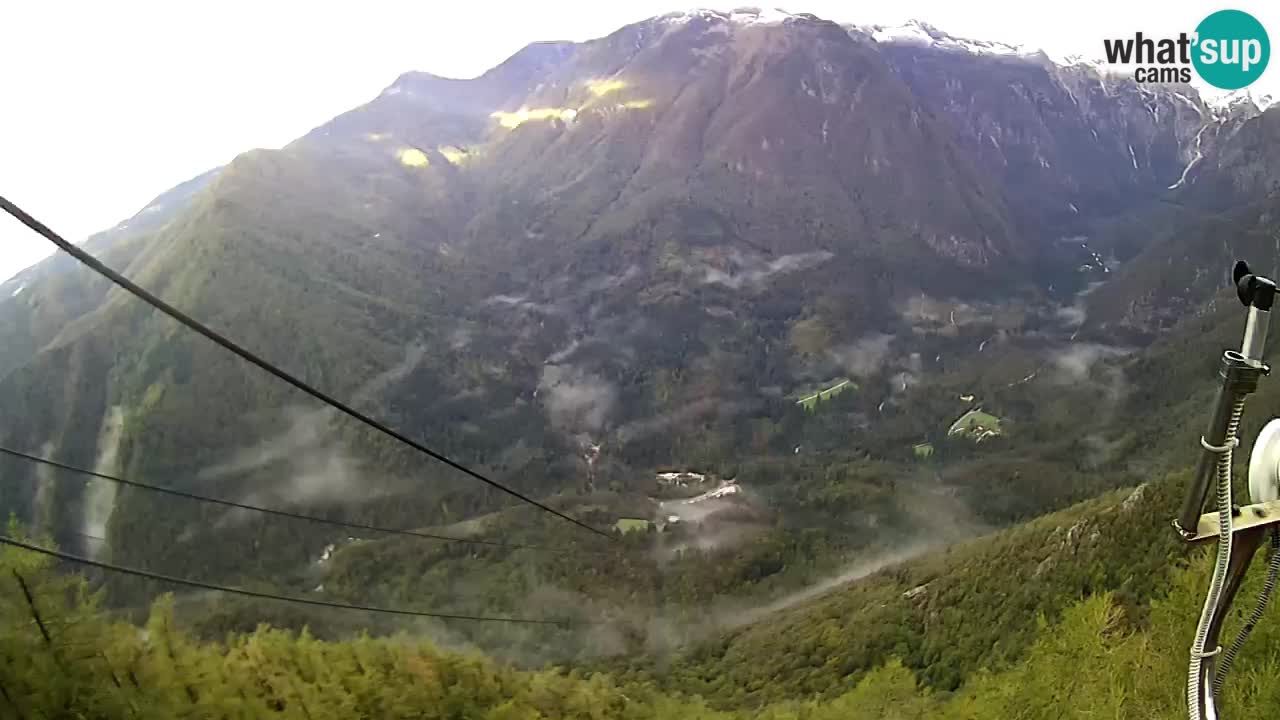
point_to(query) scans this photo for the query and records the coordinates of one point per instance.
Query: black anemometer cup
(1253, 290)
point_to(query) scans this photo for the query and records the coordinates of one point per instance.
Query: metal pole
(1245, 545)
(1239, 378)
(1255, 333)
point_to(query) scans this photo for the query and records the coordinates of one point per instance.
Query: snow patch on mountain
(916, 32)
(740, 16)
(922, 34)
(912, 33)
(1226, 103)
(756, 16)
(1070, 60)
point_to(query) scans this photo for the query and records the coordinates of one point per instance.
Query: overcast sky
(108, 104)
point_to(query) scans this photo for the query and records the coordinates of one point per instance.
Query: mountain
(1222, 209)
(66, 292)
(899, 287)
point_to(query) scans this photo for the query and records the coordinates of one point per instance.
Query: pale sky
(108, 104)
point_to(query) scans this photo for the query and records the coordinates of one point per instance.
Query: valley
(879, 354)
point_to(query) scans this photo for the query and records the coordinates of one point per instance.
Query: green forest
(64, 657)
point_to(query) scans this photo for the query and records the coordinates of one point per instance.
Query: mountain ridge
(651, 244)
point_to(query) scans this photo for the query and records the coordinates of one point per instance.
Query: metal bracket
(1245, 541)
(1245, 518)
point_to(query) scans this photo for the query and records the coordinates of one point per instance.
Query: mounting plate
(1249, 517)
(1264, 465)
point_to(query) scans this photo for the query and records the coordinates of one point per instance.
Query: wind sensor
(1238, 530)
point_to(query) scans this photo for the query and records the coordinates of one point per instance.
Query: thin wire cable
(94, 264)
(272, 511)
(5, 540)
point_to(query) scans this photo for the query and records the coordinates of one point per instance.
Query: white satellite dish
(1264, 465)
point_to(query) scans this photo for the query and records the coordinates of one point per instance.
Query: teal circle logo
(1231, 50)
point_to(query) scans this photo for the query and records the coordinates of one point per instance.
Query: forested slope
(1098, 657)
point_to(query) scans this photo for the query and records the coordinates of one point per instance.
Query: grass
(811, 401)
(627, 525)
(976, 424)
(413, 157)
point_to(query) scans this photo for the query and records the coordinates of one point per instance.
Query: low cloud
(901, 382)
(564, 353)
(460, 338)
(939, 518)
(576, 400)
(43, 503)
(737, 269)
(413, 355)
(1075, 314)
(601, 283)
(725, 535)
(1076, 362)
(865, 356)
(521, 302)
(308, 462)
(1101, 451)
(696, 512)
(696, 410)
(1072, 315)
(936, 515)
(329, 477)
(304, 429)
(856, 571)
(639, 429)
